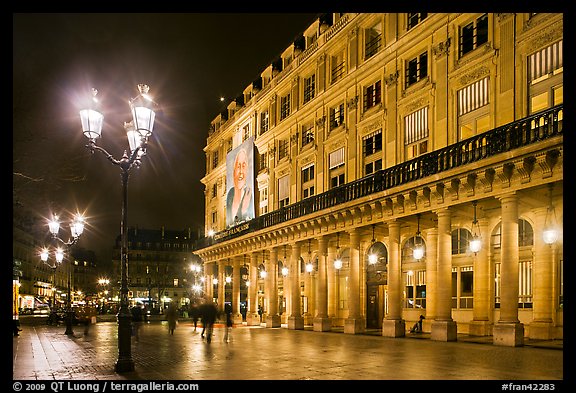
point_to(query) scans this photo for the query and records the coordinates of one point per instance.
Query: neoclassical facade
(405, 164)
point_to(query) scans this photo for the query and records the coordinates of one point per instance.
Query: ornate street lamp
(418, 250)
(373, 256)
(76, 229)
(476, 241)
(138, 131)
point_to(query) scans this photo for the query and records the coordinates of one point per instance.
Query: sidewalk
(44, 352)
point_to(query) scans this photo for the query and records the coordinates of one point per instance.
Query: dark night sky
(189, 60)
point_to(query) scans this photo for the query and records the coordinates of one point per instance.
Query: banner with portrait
(240, 184)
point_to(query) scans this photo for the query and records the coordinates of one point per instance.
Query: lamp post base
(69, 331)
(124, 365)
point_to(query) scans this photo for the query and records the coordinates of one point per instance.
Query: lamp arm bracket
(92, 146)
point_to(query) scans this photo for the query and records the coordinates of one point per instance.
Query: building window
(264, 200)
(372, 40)
(264, 122)
(282, 148)
(416, 69)
(229, 145)
(307, 133)
(309, 88)
(545, 78)
(416, 133)
(461, 241)
(336, 167)
(415, 289)
(473, 109)
(246, 132)
(214, 218)
(372, 96)
(473, 35)
(214, 190)
(284, 191)
(215, 160)
(338, 66)
(336, 116)
(308, 181)
(285, 106)
(263, 161)
(371, 145)
(414, 18)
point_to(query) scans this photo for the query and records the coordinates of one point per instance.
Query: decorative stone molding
(547, 165)
(545, 37)
(502, 17)
(412, 200)
(424, 196)
(438, 192)
(454, 189)
(416, 104)
(469, 184)
(474, 75)
(372, 126)
(392, 79)
(488, 179)
(441, 49)
(294, 137)
(399, 204)
(388, 207)
(352, 103)
(320, 122)
(505, 174)
(525, 170)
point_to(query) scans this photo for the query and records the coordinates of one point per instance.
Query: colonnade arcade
(510, 282)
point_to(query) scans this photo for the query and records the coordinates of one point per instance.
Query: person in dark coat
(137, 320)
(195, 315)
(229, 322)
(209, 313)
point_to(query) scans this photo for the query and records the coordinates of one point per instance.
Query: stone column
(208, 286)
(431, 274)
(355, 323)
(236, 291)
(481, 324)
(221, 285)
(541, 327)
(295, 320)
(273, 319)
(508, 331)
(332, 283)
(252, 317)
(322, 323)
(393, 325)
(444, 327)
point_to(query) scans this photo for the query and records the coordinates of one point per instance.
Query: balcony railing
(524, 132)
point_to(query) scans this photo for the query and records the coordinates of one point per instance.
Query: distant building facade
(385, 145)
(160, 266)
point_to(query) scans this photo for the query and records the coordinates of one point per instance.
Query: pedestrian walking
(209, 313)
(195, 315)
(229, 323)
(172, 318)
(137, 320)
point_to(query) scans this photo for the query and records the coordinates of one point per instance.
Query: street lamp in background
(138, 131)
(76, 229)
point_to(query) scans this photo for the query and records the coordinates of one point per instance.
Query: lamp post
(76, 229)
(138, 131)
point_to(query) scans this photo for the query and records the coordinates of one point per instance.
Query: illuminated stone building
(411, 137)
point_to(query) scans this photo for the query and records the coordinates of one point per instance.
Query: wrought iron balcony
(524, 132)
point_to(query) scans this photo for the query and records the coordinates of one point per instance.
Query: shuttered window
(416, 126)
(473, 96)
(336, 158)
(545, 61)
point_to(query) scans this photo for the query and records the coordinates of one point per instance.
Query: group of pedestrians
(206, 312)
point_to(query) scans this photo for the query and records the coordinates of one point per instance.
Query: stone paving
(43, 352)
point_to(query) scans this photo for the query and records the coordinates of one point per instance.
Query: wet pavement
(43, 352)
